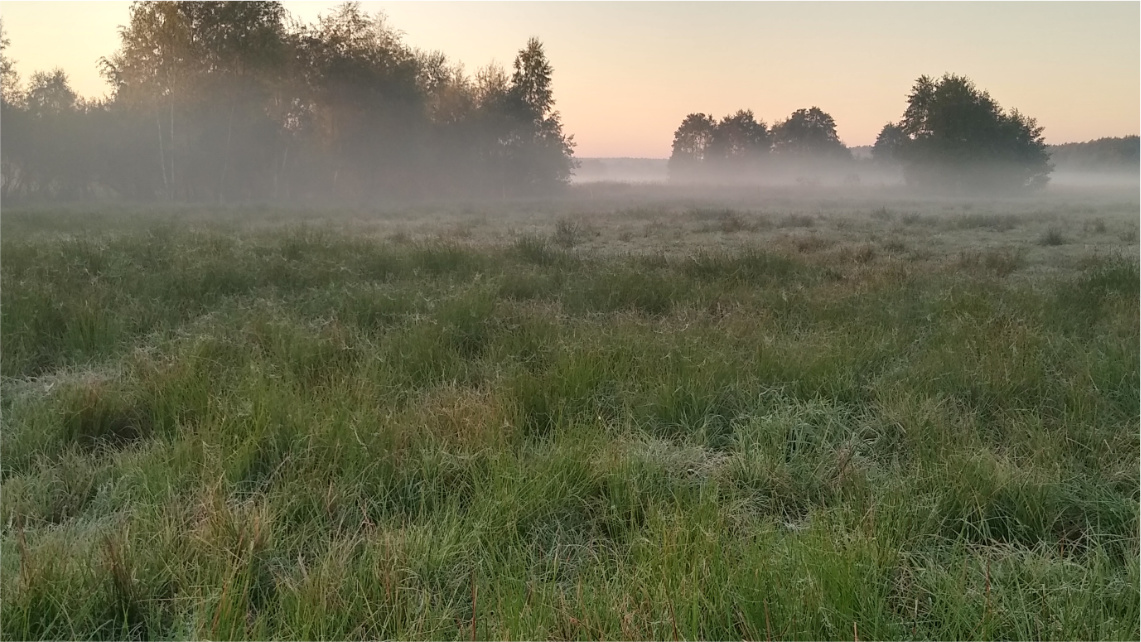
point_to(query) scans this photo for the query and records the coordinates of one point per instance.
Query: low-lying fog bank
(655, 171)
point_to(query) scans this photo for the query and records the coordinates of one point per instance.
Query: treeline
(227, 101)
(739, 147)
(952, 136)
(1102, 155)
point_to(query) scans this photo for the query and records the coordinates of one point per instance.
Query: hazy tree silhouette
(46, 151)
(544, 155)
(360, 109)
(808, 133)
(959, 138)
(15, 132)
(217, 101)
(889, 143)
(1112, 154)
(9, 79)
(739, 147)
(739, 141)
(691, 145)
(49, 94)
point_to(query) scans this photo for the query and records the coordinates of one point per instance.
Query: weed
(797, 220)
(811, 243)
(883, 214)
(567, 234)
(534, 249)
(996, 222)
(1052, 237)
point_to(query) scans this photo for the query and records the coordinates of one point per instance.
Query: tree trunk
(162, 156)
(226, 157)
(173, 182)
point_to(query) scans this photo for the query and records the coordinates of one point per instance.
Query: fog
(1092, 179)
(860, 175)
(772, 172)
(341, 111)
(338, 111)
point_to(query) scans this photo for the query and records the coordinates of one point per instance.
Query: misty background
(225, 102)
(1106, 162)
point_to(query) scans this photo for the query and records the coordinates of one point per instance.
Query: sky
(627, 73)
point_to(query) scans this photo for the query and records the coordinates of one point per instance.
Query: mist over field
(308, 334)
(244, 104)
(1069, 172)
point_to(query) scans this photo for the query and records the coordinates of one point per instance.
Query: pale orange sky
(627, 73)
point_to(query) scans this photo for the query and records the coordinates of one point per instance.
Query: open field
(628, 414)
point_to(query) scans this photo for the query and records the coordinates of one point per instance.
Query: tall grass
(233, 432)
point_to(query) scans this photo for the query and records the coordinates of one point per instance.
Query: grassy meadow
(628, 414)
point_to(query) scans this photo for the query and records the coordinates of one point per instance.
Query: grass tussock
(1052, 237)
(224, 431)
(1000, 262)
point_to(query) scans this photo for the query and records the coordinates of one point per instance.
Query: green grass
(215, 429)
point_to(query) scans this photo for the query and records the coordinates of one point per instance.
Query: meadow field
(627, 413)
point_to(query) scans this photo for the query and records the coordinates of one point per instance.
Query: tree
(808, 133)
(691, 145)
(531, 80)
(361, 113)
(13, 120)
(47, 151)
(9, 79)
(49, 94)
(889, 144)
(150, 73)
(1103, 154)
(203, 71)
(543, 156)
(739, 141)
(246, 104)
(958, 137)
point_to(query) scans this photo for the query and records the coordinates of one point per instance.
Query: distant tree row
(221, 101)
(739, 146)
(953, 135)
(1104, 154)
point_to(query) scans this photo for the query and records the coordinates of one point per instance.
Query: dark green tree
(691, 145)
(531, 80)
(808, 133)
(959, 138)
(889, 144)
(1103, 154)
(739, 141)
(542, 157)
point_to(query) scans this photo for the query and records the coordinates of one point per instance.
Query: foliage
(237, 102)
(959, 138)
(738, 147)
(691, 145)
(889, 143)
(1103, 154)
(9, 79)
(808, 133)
(540, 153)
(739, 140)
